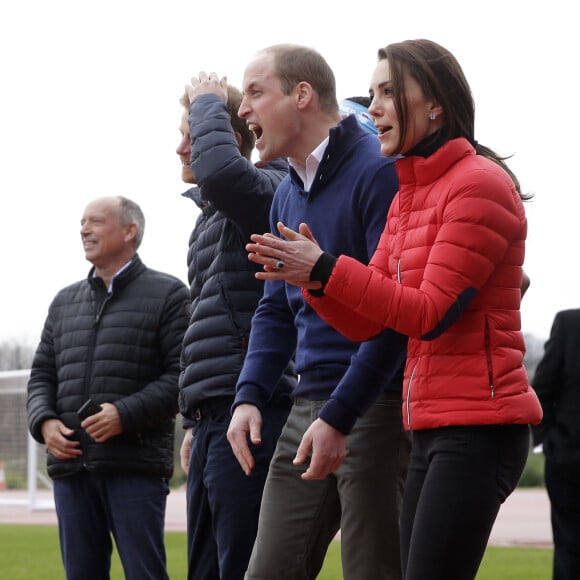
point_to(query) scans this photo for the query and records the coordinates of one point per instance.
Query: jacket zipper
(488, 358)
(89, 364)
(408, 399)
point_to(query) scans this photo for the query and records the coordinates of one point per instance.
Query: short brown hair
(238, 125)
(294, 64)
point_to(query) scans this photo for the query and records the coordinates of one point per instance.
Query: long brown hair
(441, 78)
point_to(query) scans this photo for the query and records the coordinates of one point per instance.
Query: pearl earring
(432, 116)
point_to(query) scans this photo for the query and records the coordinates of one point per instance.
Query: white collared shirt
(110, 288)
(307, 172)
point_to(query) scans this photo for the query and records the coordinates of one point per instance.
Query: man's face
(269, 113)
(184, 149)
(105, 240)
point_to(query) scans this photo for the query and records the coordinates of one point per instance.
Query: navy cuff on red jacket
(322, 271)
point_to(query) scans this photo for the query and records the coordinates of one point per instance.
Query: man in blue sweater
(347, 406)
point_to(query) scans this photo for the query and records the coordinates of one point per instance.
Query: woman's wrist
(321, 271)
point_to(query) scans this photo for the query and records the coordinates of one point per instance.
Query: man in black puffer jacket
(114, 338)
(234, 197)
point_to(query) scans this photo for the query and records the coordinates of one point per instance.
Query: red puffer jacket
(447, 273)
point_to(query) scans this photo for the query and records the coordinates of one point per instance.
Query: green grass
(31, 552)
(516, 564)
(498, 564)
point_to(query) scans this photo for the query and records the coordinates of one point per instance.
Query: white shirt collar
(307, 171)
(110, 288)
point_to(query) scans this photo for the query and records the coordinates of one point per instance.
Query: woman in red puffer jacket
(448, 274)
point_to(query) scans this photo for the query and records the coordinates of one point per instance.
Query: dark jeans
(222, 502)
(563, 487)
(91, 507)
(457, 480)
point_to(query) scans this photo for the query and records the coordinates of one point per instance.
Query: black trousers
(458, 478)
(563, 487)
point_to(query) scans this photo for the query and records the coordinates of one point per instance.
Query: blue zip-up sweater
(346, 209)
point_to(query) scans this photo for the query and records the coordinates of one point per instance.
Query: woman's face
(382, 109)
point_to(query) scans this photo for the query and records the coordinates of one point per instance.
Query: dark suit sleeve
(549, 376)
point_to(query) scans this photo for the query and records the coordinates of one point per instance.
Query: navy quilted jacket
(234, 196)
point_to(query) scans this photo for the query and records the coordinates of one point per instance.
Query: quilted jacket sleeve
(41, 399)
(239, 189)
(479, 222)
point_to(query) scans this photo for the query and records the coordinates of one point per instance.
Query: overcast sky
(89, 107)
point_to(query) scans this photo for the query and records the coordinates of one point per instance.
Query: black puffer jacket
(234, 196)
(121, 348)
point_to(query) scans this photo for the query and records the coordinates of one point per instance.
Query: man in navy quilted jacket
(233, 196)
